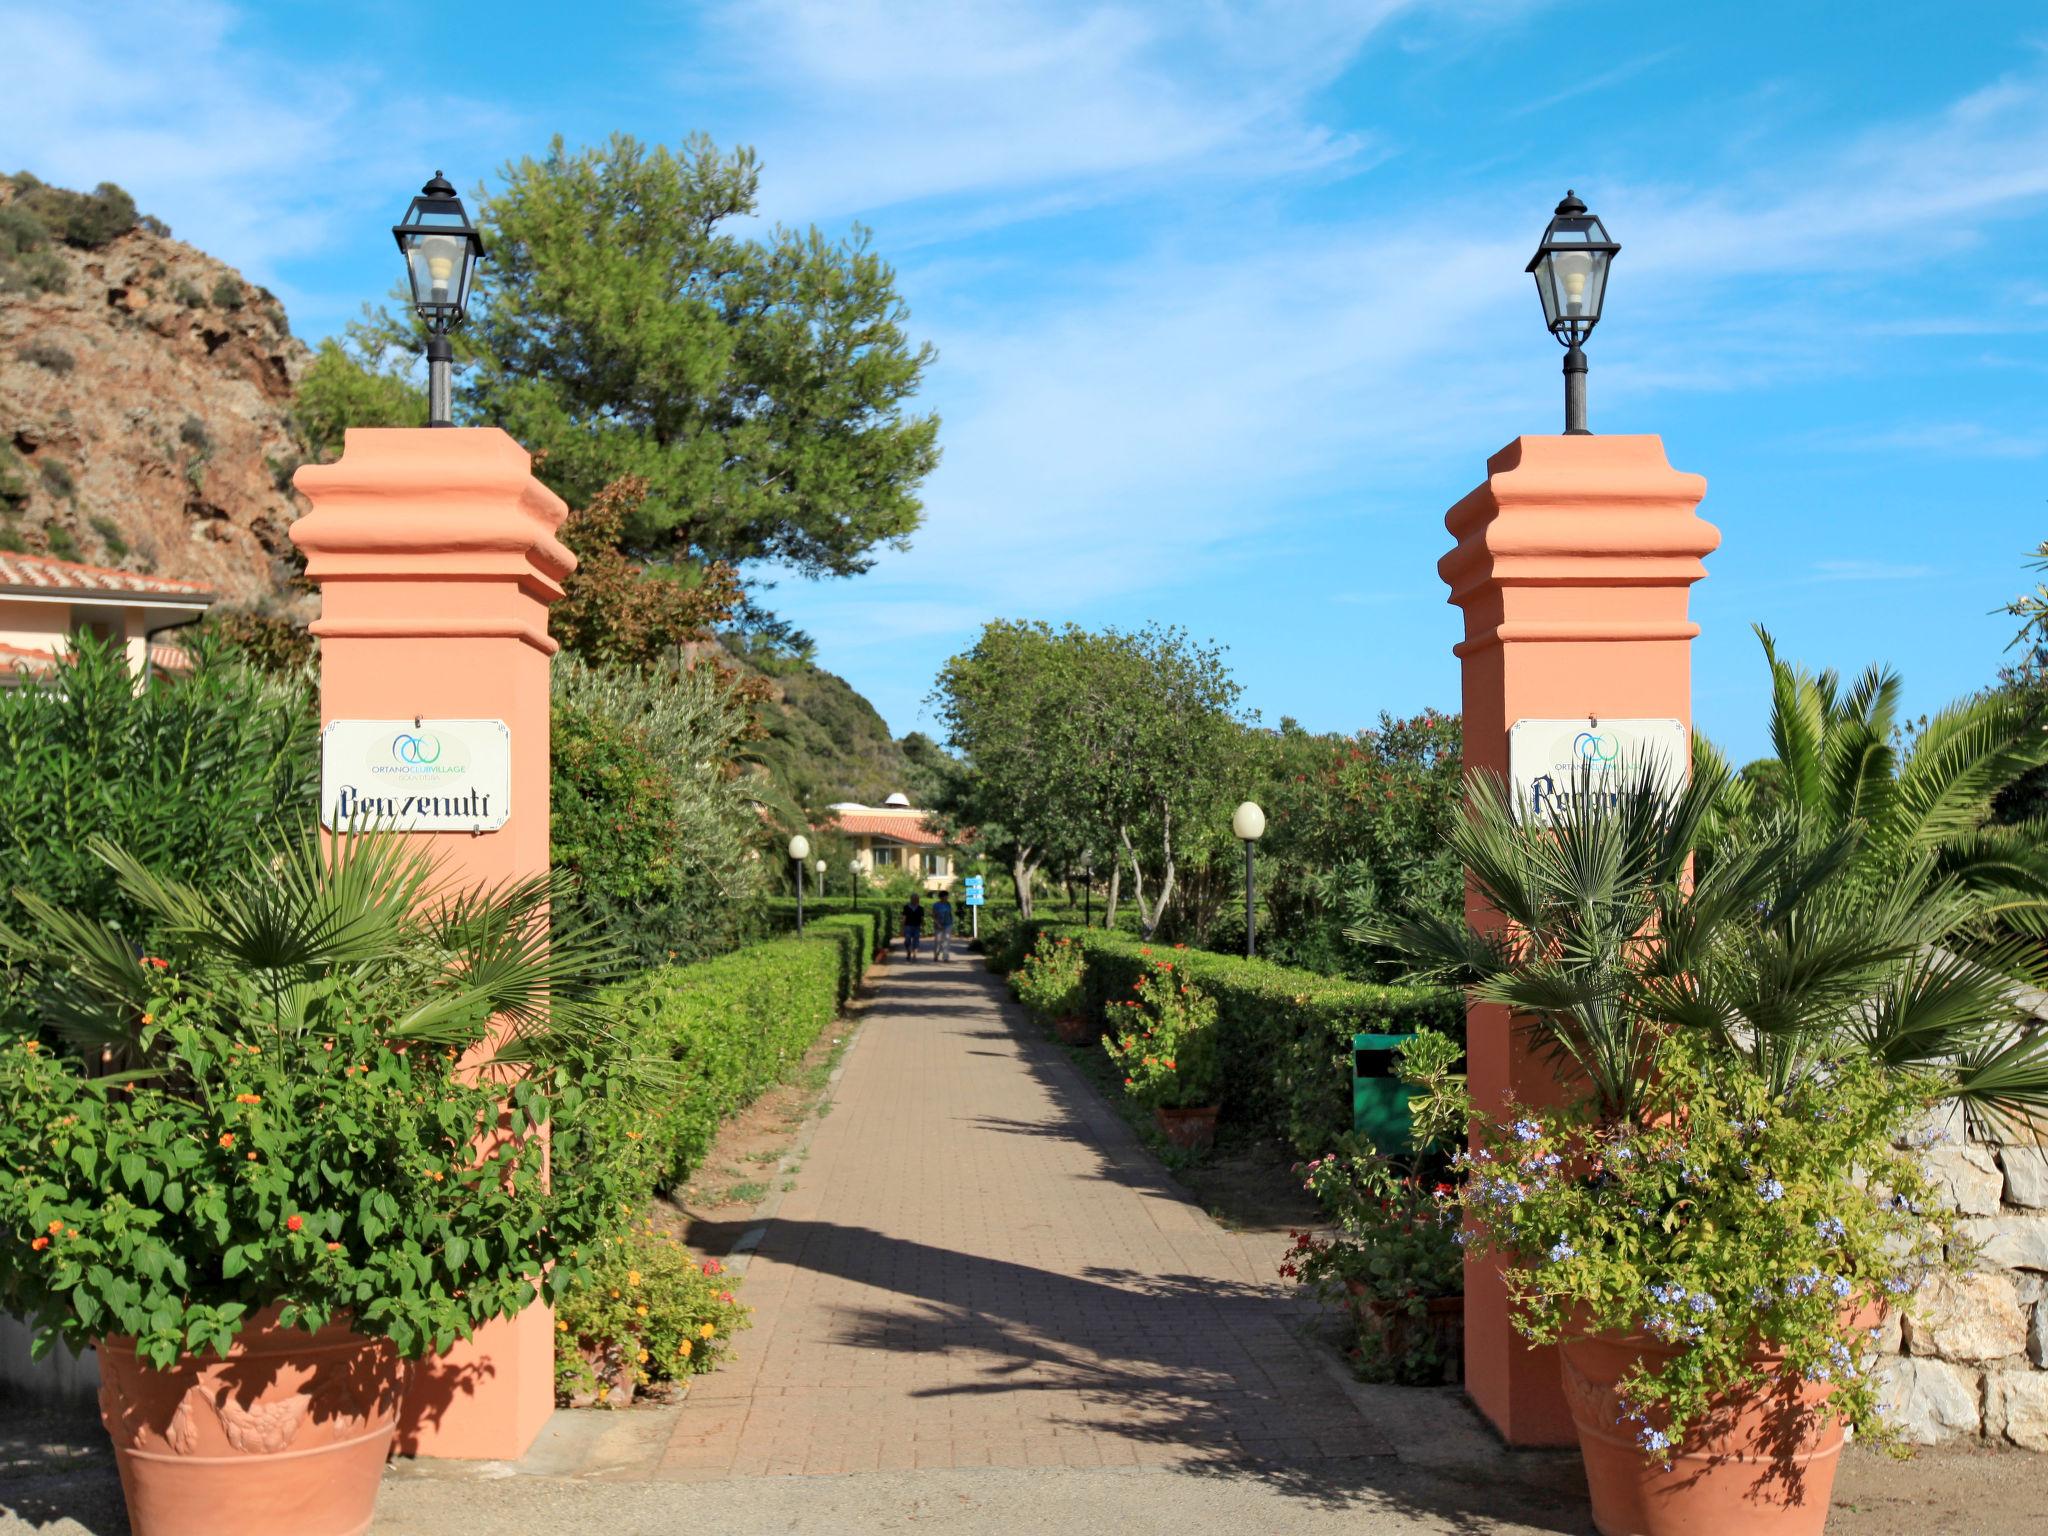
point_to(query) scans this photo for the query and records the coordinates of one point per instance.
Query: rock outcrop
(145, 398)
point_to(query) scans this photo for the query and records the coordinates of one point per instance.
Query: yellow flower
(708, 1331)
(684, 1348)
(632, 1277)
(641, 1310)
(615, 1293)
(561, 1327)
(641, 1357)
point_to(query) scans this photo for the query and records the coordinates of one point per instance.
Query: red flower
(293, 1223)
(40, 1244)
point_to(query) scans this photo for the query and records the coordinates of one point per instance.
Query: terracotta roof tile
(902, 829)
(70, 576)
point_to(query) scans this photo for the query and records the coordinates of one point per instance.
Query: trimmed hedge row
(732, 1027)
(1284, 1035)
(782, 913)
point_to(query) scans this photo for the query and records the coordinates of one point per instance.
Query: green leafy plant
(321, 1093)
(1390, 1243)
(1049, 980)
(1754, 1228)
(1162, 1041)
(646, 1312)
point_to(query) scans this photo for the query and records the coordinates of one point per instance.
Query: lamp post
(820, 868)
(799, 850)
(441, 249)
(1570, 267)
(853, 880)
(1249, 823)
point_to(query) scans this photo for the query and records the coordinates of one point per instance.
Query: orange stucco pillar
(436, 558)
(1573, 565)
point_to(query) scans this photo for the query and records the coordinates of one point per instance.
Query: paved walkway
(980, 1267)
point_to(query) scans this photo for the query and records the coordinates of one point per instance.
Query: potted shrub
(642, 1320)
(1715, 1274)
(1391, 1253)
(282, 1160)
(1162, 1041)
(1049, 984)
(1685, 1000)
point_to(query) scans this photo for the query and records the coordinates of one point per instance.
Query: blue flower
(1898, 1285)
(1528, 1130)
(1653, 1440)
(1840, 1286)
(1830, 1229)
(1562, 1251)
(1770, 1191)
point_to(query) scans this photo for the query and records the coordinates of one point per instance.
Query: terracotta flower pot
(1073, 1030)
(1443, 1323)
(288, 1433)
(1191, 1130)
(1763, 1462)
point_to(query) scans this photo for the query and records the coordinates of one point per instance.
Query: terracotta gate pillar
(1573, 565)
(435, 553)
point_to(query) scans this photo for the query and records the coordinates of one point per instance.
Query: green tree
(1003, 705)
(623, 325)
(338, 391)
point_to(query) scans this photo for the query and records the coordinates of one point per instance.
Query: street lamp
(1249, 823)
(799, 850)
(441, 249)
(820, 868)
(853, 880)
(1571, 278)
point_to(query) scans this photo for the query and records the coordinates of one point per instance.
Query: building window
(937, 864)
(885, 858)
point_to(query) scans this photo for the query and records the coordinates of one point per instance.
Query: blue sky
(1229, 297)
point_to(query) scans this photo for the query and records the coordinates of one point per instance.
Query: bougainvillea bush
(1162, 1041)
(286, 1107)
(1731, 1215)
(645, 1312)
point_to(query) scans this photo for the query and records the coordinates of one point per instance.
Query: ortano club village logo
(402, 776)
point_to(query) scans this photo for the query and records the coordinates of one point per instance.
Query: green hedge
(733, 1027)
(1284, 1034)
(782, 913)
(856, 934)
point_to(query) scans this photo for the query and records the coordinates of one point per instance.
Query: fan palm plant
(358, 922)
(1780, 947)
(1842, 758)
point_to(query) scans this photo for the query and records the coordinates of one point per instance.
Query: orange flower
(294, 1223)
(40, 1244)
(248, 1098)
(31, 1046)
(252, 1157)
(334, 1247)
(227, 1138)
(56, 1227)
(149, 1018)
(1170, 1066)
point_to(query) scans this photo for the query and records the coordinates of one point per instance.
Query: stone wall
(1969, 1358)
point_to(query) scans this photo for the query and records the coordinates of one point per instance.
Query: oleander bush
(1283, 1036)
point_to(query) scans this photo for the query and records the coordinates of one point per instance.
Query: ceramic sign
(1549, 761)
(416, 775)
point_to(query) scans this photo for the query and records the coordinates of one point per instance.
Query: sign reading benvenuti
(416, 775)
(1552, 761)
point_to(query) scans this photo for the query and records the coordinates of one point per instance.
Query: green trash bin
(1379, 1100)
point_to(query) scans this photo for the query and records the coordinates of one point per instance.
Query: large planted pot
(1191, 1130)
(1763, 1462)
(288, 1433)
(1441, 1327)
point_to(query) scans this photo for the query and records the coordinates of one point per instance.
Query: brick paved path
(980, 1266)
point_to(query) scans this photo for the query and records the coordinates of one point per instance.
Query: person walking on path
(913, 925)
(942, 927)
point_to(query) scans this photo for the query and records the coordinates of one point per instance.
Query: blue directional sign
(971, 891)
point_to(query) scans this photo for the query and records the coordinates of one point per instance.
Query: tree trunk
(1022, 867)
(1116, 884)
(1150, 917)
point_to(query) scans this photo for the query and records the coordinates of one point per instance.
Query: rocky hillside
(145, 396)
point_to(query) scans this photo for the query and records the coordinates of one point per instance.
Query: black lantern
(1570, 268)
(441, 249)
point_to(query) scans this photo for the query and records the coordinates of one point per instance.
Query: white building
(44, 602)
